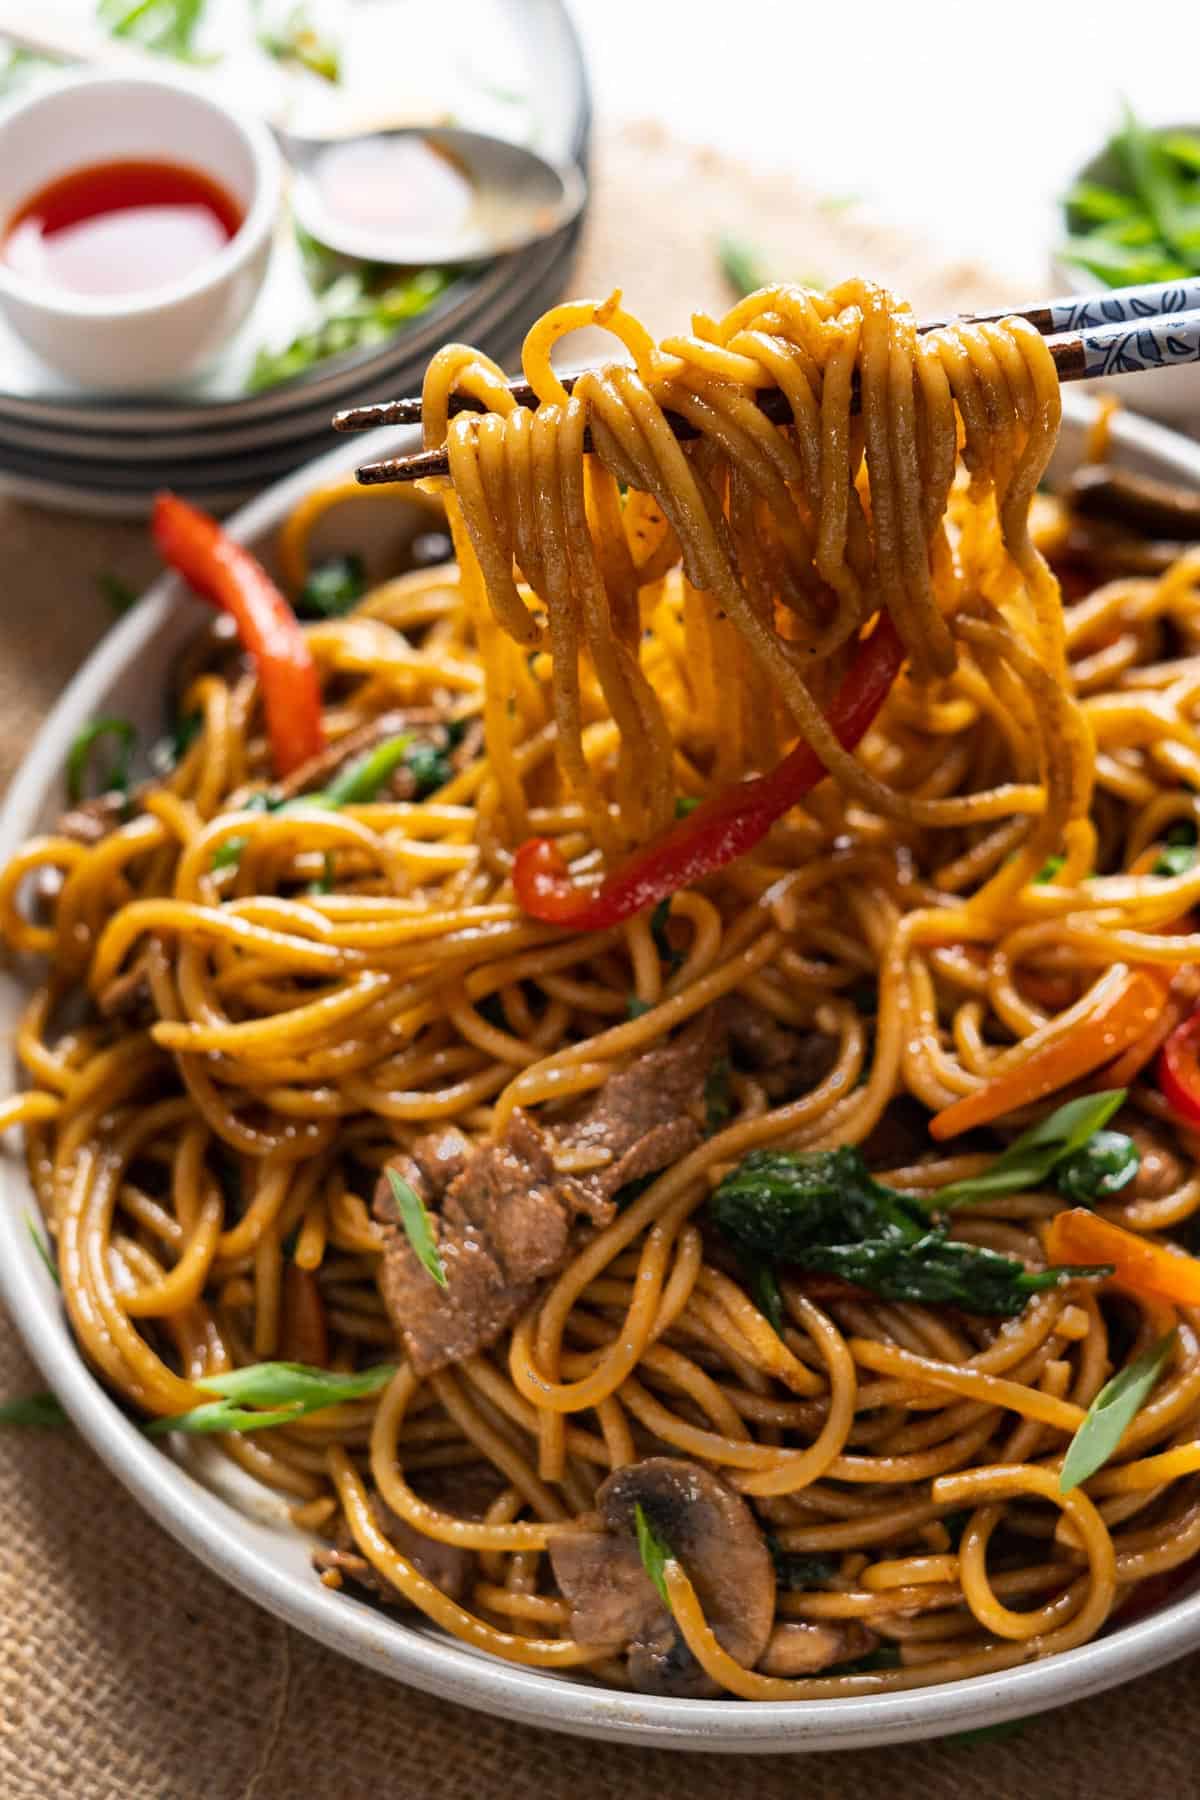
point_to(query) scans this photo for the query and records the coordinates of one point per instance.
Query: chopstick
(1121, 331)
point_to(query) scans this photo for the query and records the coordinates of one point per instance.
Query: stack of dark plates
(232, 432)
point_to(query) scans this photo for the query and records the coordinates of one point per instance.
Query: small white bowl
(129, 343)
(1172, 394)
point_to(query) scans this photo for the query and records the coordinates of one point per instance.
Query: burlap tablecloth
(128, 1670)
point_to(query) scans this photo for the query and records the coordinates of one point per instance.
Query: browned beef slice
(613, 1600)
(501, 1214)
(439, 1325)
(512, 1192)
(447, 1566)
(93, 820)
(644, 1114)
(787, 1061)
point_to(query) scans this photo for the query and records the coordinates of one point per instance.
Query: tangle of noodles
(247, 1011)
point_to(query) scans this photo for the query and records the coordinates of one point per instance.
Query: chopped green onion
(741, 265)
(1111, 1412)
(1032, 1157)
(636, 1008)
(361, 781)
(43, 1249)
(38, 1412)
(685, 805)
(418, 1230)
(654, 1552)
(272, 1393)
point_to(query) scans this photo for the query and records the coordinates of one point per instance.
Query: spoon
(407, 194)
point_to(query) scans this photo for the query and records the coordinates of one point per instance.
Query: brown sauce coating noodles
(247, 1011)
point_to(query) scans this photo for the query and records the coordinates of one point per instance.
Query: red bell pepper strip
(720, 829)
(225, 574)
(1179, 1070)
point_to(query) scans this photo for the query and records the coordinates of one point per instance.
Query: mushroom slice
(711, 1531)
(803, 1649)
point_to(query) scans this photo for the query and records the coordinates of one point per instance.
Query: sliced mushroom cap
(805, 1649)
(713, 1534)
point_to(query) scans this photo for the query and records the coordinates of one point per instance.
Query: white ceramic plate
(240, 1531)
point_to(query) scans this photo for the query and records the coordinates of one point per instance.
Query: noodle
(258, 1000)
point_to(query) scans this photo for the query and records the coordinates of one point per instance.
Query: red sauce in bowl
(120, 228)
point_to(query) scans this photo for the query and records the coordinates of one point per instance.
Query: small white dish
(242, 1532)
(134, 342)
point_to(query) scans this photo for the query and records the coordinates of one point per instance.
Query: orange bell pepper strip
(226, 575)
(1127, 1012)
(1138, 1264)
(304, 1332)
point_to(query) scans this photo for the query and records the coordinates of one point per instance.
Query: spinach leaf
(823, 1210)
(1104, 1165)
(333, 587)
(1111, 1412)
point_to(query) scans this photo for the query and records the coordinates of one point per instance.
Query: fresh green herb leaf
(79, 756)
(1036, 1153)
(1107, 1163)
(654, 1552)
(229, 854)
(1049, 869)
(354, 312)
(430, 768)
(741, 265)
(360, 781)
(823, 1210)
(636, 1008)
(43, 1249)
(118, 593)
(685, 805)
(1179, 855)
(39, 1412)
(1112, 1410)
(297, 40)
(167, 26)
(272, 1393)
(1184, 146)
(333, 587)
(798, 1572)
(718, 1095)
(415, 1221)
(1090, 203)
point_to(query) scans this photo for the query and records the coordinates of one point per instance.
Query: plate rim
(201, 1522)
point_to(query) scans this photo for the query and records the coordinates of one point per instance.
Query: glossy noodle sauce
(120, 228)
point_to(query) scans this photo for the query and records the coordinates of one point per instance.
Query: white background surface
(963, 119)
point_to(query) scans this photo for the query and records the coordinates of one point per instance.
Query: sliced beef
(901, 1136)
(501, 1214)
(506, 1218)
(786, 1062)
(467, 1495)
(646, 1115)
(613, 1601)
